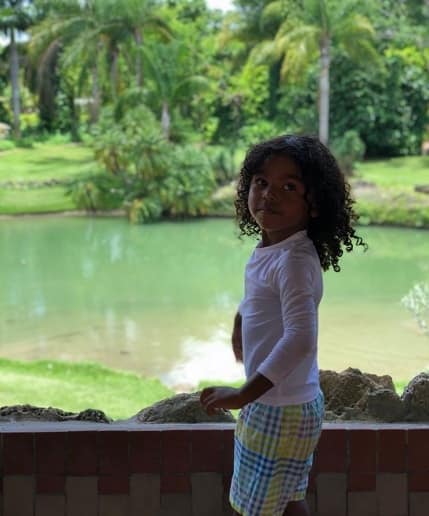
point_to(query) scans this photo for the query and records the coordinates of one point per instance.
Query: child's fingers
(205, 393)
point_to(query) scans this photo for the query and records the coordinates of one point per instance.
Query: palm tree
(310, 33)
(15, 17)
(173, 78)
(94, 34)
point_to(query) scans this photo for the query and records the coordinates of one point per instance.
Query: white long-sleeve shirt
(283, 289)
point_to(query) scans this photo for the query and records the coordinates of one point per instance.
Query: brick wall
(185, 470)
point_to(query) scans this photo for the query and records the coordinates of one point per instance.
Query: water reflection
(200, 360)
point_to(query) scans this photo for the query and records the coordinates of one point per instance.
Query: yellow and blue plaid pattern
(273, 454)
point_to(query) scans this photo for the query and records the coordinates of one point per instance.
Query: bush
(222, 162)
(190, 181)
(348, 150)
(149, 176)
(100, 192)
(393, 213)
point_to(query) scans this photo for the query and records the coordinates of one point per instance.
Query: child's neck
(274, 237)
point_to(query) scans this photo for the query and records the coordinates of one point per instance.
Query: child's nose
(268, 193)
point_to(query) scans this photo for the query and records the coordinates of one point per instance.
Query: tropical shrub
(147, 175)
(98, 192)
(222, 162)
(349, 149)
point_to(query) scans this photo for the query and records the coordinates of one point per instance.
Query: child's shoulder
(304, 252)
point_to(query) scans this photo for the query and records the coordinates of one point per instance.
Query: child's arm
(213, 398)
(237, 344)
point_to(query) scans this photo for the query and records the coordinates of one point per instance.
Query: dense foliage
(166, 91)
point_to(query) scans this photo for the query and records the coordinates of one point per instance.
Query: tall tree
(15, 17)
(308, 32)
(95, 34)
(174, 81)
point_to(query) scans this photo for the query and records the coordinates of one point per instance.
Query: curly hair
(332, 228)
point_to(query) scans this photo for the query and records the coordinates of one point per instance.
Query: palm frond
(265, 52)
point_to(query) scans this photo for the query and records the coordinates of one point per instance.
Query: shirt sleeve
(295, 283)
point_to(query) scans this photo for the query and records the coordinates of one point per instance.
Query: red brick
(206, 450)
(175, 484)
(363, 450)
(228, 451)
(145, 452)
(18, 454)
(50, 484)
(361, 481)
(112, 453)
(391, 451)
(176, 451)
(113, 484)
(418, 482)
(50, 453)
(331, 454)
(82, 453)
(418, 450)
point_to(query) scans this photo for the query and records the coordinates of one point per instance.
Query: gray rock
(32, 413)
(416, 398)
(182, 408)
(385, 405)
(349, 389)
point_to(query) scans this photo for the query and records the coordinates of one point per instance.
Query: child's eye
(289, 186)
(259, 181)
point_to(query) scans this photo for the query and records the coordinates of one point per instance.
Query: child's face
(277, 199)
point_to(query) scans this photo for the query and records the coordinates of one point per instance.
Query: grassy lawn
(42, 162)
(38, 200)
(46, 161)
(402, 173)
(77, 386)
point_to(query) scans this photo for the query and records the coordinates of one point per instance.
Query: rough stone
(348, 389)
(32, 413)
(416, 398)
(182, 408)
(385, 405)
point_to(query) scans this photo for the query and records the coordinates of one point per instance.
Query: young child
(292, 193)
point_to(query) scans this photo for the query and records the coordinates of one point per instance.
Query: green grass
(47, 161)
(39, 200)
(42, 162)
(77, 386)
(403, 173)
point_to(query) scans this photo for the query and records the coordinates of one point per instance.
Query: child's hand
(213, 398)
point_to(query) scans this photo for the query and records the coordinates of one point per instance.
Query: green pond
(159, 299)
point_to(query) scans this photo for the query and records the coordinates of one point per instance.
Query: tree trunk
(165, 120)
(114, 71)
(325, 61)
(95, 105)
(14, 79)
(139, 69)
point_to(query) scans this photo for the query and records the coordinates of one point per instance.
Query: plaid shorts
(273, 454)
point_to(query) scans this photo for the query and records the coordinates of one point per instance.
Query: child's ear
(314, 213)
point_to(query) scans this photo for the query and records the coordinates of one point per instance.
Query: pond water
(159, 299)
